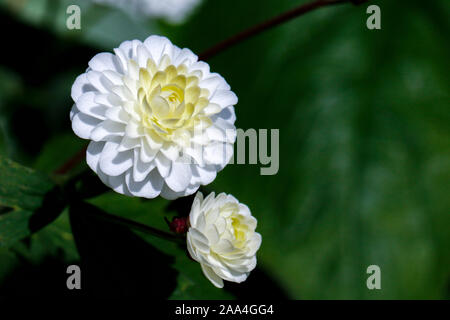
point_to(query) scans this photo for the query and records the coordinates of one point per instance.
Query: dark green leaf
(28, 201)
(191, 283)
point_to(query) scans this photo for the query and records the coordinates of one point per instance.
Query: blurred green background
(364, 125)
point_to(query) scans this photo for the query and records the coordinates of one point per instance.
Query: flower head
(160, 123)
(222, 238)
(174, 11)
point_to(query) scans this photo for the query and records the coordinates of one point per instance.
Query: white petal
(244, 210)
(191, 249)
(93, 154)
(153, 141)
(150, 187)
(208, 202)
(83, 124)
(204, 175)
(195, 210)
(86, 104)
(147, 154)
(171, 151)
(114, 163)
(231, 275)
(163, 164)
(129, 143)
(169, 194)
(212, 276)
(231, 198)
(117, 114)
(179, 177)
(104, 61)
(224, 246)
(225, 98)
(255, 243)
(158, 46)
(127, 50)
(218, 153)
(142, 55)
(95, 79)
(73, 111)
(184, 56)
(212, 83)
(141, 169)
(108, 99)
(114, 77)
(81, 86)
(201, 66)
(222, 131)
(118, 184)
(199, 241)
(212, 109)
(212, 233)
(227, 114)
(134, 130)
(107, 129)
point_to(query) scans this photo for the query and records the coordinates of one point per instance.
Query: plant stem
(284, 17)
(138, 226)
(72, 162)
(224, 45)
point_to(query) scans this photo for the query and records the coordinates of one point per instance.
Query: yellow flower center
(170, 101)
(239, 229)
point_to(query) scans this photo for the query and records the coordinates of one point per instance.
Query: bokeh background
(364, 173)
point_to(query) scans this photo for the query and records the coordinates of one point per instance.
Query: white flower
(160, 122)
(174, 11)
(222, 238)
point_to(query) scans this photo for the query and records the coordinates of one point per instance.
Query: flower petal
(104, 61)
(212, 276)
(150, 187)
(225, 98)
(83, 124)
(113, 162)
(179, 177)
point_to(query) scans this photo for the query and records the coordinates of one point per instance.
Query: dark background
(364, 150)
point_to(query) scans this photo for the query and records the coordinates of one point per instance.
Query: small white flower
(222, 238)
(160, 122)
(174, 11)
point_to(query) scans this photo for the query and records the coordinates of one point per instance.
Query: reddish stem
(284, 17)
(72, 162)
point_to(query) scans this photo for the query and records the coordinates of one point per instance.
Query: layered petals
(160, 122)
(222, 238)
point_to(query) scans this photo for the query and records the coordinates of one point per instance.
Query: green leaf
(191, 283)
(51, 157)
(37, 266)
(28, 201)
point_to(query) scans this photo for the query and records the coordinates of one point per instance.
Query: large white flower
(160, 122)
(174, 11)
(222, 238)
